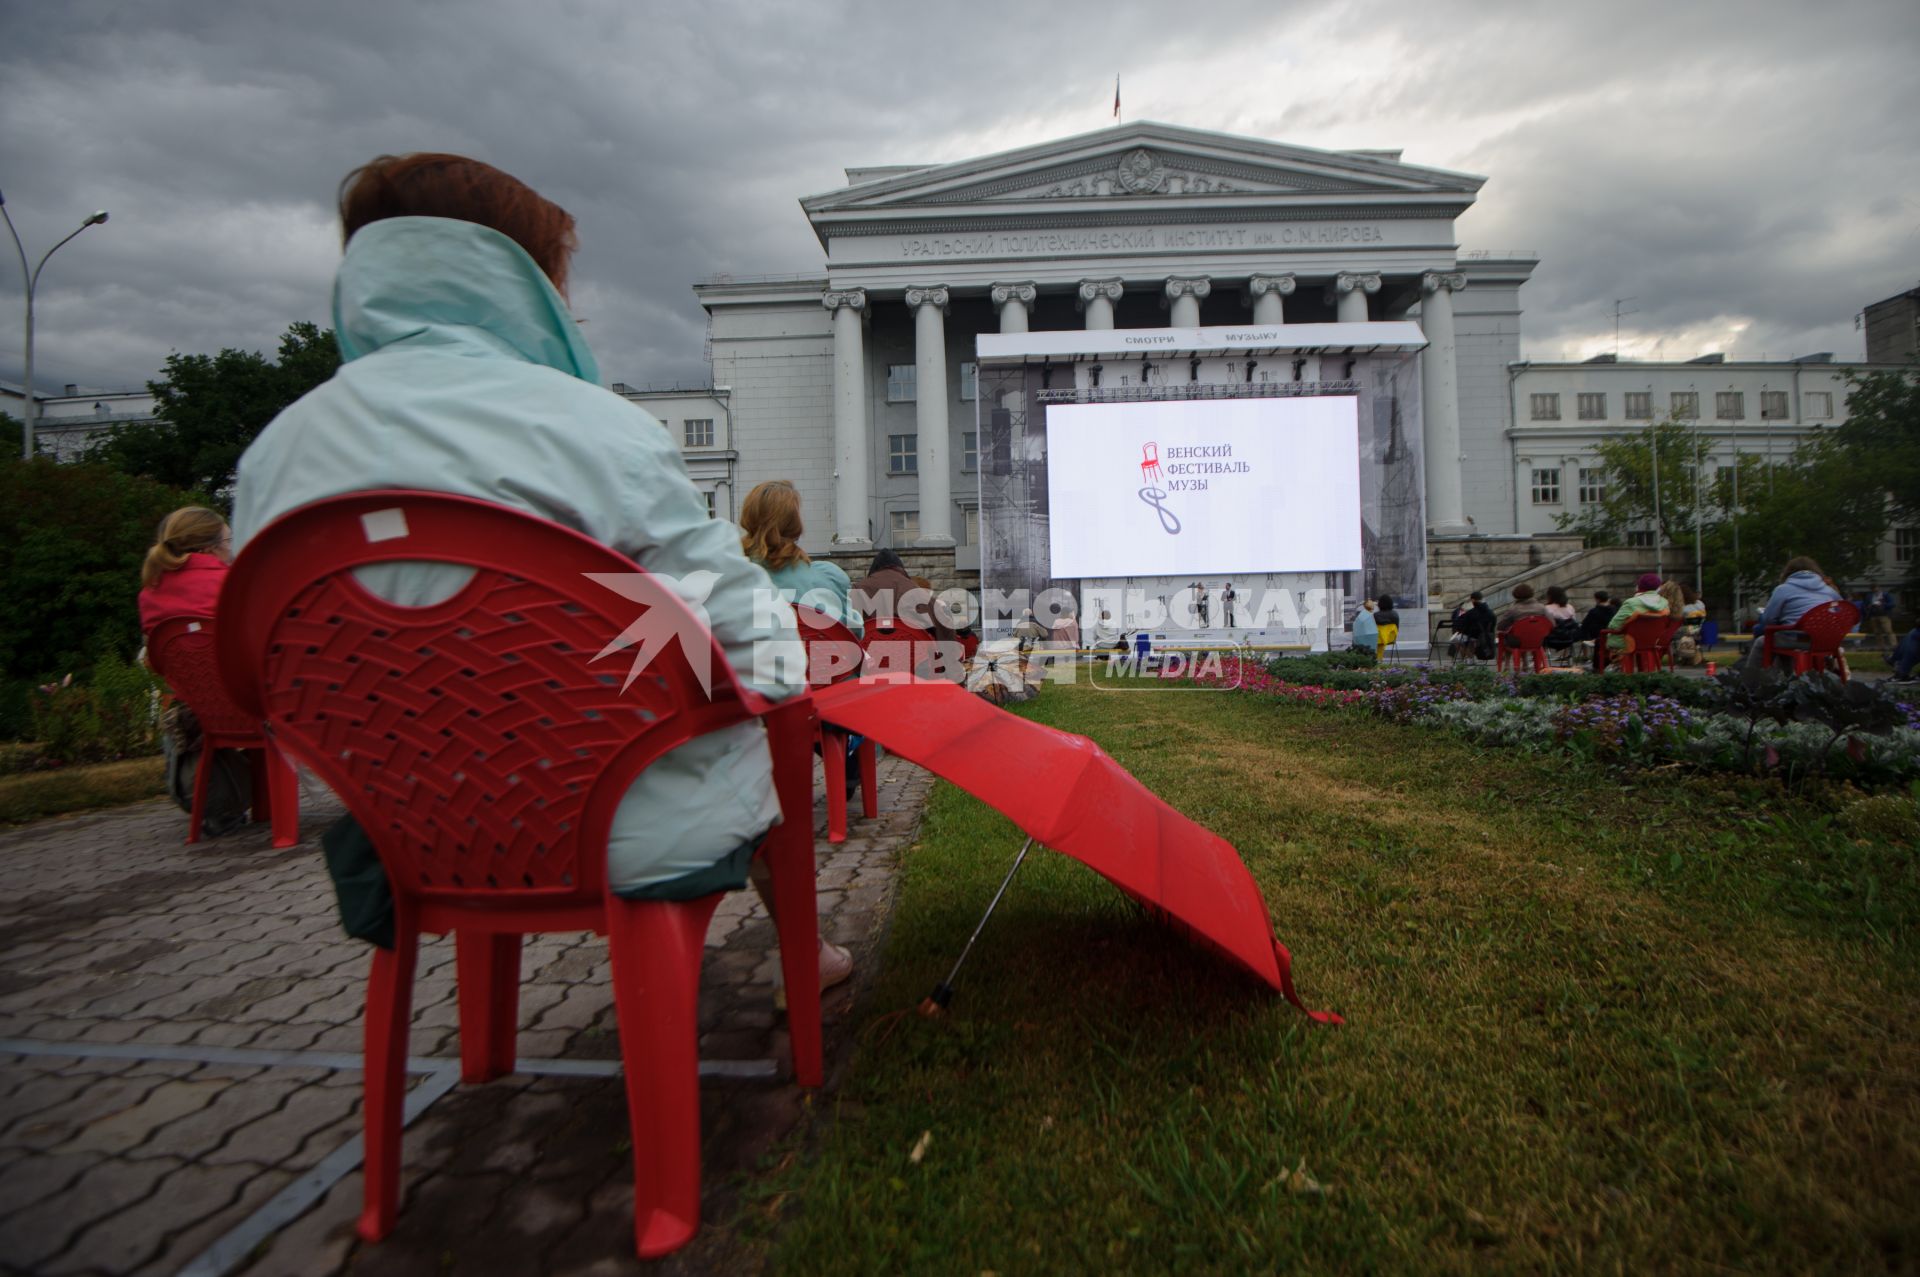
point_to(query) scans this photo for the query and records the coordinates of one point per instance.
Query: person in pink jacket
(185, 568)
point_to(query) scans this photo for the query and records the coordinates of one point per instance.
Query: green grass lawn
(1655, 1023)
(26, 796)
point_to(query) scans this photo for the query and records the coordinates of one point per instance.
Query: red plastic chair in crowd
(183, 652)
(1647, 639)
(834, 654)
(896, 648)
(1527, 634)
(484, 747)
(1824, 627)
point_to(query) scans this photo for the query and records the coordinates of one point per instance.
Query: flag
(1116, 99)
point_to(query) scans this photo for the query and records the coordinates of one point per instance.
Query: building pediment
(1141, 165)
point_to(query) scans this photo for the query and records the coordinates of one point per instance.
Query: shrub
(1887, 818)
(111, 718)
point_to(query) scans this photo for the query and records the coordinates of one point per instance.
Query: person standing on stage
(1200, 601)
(1227, 597)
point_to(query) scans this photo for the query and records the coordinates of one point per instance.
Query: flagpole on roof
(1116, 99)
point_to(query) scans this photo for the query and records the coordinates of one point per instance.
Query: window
(1818, 404)
(901, 381)
(904, 526)
(969, 451)
(1546, 486)
(1593, 407)
(1639, 405)
(713, 507)
(1906, 545)
(903, 455)
(1685, 404)
(1640, 539)
(698, 432)
(1546, 407)
(969, 382)
(1593, 486)
(970, 525)
(1773, 405)
(1729, 405)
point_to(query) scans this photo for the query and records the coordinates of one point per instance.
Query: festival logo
(1150, 491)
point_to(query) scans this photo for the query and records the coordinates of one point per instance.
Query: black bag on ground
(229, 787)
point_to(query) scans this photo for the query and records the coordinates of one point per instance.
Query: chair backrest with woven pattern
(1827, 625)
(833, 650)
(1529, 632)
(184, 652)
(482, 741)
(1646, 633)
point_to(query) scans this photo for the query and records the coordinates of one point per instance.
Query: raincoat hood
(433, 281)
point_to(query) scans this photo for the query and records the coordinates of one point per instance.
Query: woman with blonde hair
(185, 567)
(770, 529)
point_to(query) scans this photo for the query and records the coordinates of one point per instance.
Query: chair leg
(789, 853)
(201, 771)
(833, 763)
(283, 785)
(869, 779)
(1539, 660)
(488, 972)
(389, 1015)
(657, 947)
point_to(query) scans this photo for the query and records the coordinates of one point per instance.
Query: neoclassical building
(857, 382)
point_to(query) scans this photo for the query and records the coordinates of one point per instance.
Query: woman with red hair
(464, 373)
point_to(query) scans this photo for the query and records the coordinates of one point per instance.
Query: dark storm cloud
(1739, 169)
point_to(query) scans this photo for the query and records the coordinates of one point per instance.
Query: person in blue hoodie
(1803, 586)
(464, 372)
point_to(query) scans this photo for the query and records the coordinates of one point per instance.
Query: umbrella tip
(936, 1002)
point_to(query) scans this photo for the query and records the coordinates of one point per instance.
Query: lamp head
(96, 218)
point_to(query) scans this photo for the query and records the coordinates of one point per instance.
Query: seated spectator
(770, 530)
(1473, 629)
(1387, 621)
(1598, 617)
(886, 593)
(1107, 637)
(1803, 587)
(1676, 596)
(464, 372)
(185, 567)
(1906, 656)
(181, 579)
(1524, 604)
(1558, 608)
(1693, 608)
(1366, 631)
(1647, 600)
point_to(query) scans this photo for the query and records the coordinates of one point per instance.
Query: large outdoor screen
(1207, 486)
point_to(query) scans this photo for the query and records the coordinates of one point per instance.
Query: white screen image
(1204, 486)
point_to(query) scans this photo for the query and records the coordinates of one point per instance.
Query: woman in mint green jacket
(770, 531)
(465, 373)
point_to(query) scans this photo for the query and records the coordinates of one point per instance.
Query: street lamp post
(29, 410)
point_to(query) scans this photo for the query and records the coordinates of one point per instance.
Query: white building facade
(857, 383)
(73, 419)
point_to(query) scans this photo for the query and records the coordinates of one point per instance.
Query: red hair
(429, 184)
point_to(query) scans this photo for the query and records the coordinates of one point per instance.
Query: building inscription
(1053, 243)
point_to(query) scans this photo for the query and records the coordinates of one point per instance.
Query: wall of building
(1893, 329)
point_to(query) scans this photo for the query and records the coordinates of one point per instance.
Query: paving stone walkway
(179, 1049)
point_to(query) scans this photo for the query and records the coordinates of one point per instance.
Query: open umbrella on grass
(1068, 794)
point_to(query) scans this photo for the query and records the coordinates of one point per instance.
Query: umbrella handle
(942, 994)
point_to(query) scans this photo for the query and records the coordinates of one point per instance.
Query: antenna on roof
(1619, 302)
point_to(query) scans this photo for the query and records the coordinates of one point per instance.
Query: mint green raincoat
(465, 373)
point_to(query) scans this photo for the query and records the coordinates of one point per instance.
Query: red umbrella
(1067, 793)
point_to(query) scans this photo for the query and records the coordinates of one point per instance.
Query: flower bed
(1746, 720)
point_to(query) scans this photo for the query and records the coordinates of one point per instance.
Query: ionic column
(1349, 292)
(929, 307)
(850, 444)
(1014, 300)
(1440, 388)
(1265, 292)
(1183, 294)
(1097, 297)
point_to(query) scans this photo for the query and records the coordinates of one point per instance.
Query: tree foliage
(72, 538)
(210, 407)
(1655, 471)
(1882, 432)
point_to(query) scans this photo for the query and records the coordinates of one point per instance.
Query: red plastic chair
(182, 651)
(1647, 637)
(484, 747)
(896, 648)
(1527, 634)
(834, 655)
(1825, 628)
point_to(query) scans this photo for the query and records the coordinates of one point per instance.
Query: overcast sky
(1747, 173)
